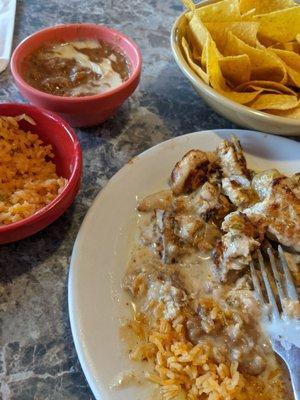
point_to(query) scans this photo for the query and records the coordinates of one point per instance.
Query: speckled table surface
(37, 356)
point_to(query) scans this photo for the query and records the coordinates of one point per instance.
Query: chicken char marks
(268, 205)
(214, 204)
(233, 250)
(186, 217)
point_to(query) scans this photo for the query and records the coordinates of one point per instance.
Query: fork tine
(277, 278)
(272, 301)
(290, 287)
(256, 283)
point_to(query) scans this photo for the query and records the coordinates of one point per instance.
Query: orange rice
(186, 371)
(28, 179)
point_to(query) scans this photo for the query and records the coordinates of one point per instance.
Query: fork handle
(293, 362)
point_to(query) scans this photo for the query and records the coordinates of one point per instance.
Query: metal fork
(280, 326)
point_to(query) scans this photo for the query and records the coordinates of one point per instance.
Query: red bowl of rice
(66, 156)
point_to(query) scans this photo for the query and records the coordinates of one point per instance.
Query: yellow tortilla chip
(246, 31)
(293, 77)
(298, 38)
(289, 57)
(196, 68)
(279, 26)
(217, 80)
(236, 69)
(274, 102)
(269, 85)
(199, 36)
(265, 90)
(292, 113)
(292, 65)
(265, 6)
(248, 16)
(264, 64)
(289, 46)
(197, 33)
(189, 4)
(222, 11)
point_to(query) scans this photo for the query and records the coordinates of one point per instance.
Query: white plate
(102, 247)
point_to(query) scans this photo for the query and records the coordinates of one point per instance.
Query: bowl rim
(211, 92)
(72, 181)
(68, 99)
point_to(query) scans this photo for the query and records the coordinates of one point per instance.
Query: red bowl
(86, 110)
(67, 158)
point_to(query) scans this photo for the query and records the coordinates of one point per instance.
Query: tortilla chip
(264, 64)
(279, 26)
(248, 16)
(248, 51)
(292, 113)
(236, 69)
(289, 46)
(196, 68)
(217, 80)
(292, 65)
(199, 36)
(293, 77)
(246, 31)
(265, 6)
(222, 11)
(269, 85)
(197, 32)
(265, 90)
(274, 102)
(189, 4)
(289, 57)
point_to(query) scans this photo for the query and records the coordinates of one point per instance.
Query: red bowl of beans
(83, 72)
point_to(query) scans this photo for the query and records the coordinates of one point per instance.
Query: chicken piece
(207, 202)
(242, 297)
(188, 226)
(158, 201)
(238, 189)
(232, 159)
(236, 182)
(158, 237)
(294, 266)
(279, 212)
(191, 171)
(233, 251)
(171, 246)
(262, 182)
(295, 182)
(238, 222)
(210, 202)
(196, 232)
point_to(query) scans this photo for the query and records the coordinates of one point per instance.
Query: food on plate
(196, 319)
(76, 68)
(28, 178)
(248, 51)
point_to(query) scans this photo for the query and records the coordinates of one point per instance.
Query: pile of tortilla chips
(247, 50)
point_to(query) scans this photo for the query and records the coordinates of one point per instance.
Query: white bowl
(241, 115)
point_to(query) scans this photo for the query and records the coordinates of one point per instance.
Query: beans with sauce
(78, 68)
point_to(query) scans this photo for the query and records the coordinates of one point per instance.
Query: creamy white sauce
(108, 78)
